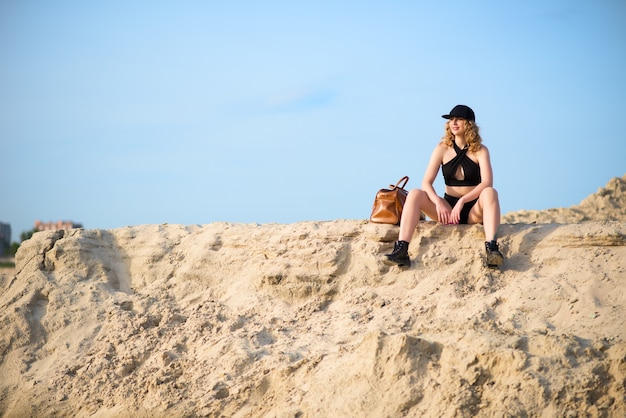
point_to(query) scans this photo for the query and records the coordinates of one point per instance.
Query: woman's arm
(436, 158)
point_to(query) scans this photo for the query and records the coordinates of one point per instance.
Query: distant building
(5, 237)
(53, 226)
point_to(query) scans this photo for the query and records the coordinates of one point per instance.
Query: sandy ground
(304, 320)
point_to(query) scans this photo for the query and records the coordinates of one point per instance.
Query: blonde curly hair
(472, 136)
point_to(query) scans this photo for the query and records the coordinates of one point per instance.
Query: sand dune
(303, 320)
(607, 204)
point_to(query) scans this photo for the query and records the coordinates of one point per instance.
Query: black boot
(399, 255)
(494, 256)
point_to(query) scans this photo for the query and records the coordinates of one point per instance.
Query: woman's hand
(455, 214)
(443, 211)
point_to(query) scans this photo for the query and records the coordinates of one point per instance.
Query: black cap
(461, 111)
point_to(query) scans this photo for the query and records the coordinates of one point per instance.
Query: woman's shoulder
(440, 149)
(482, 153)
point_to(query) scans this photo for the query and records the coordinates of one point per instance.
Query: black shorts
(466, 207)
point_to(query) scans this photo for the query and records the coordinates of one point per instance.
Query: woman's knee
(489, 193)
(415, 196)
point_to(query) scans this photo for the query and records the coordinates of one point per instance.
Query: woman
(469, 196)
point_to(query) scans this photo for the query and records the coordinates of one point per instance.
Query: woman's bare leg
(491, 212)
(487, 212)
(416, 202)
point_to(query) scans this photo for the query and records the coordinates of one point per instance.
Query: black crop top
(469, 167)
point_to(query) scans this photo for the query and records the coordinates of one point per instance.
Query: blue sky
(134, 112)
